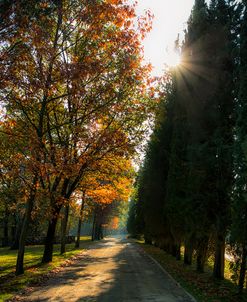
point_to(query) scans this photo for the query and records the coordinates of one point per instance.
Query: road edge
(169, 275)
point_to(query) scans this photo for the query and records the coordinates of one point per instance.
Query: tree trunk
(6, 228)
(201, 254)
(13, 231)
(171, 245)
(77, 243)
(27, 218)
(156, 242)
(97, 232)
(101, 234)
(94, 226)
(64, 229)
(242, 271)
(219, 260)
(98, 227)
(48, 251)
(176, 251)
(188, 252)
(16, 238)
(147, 238)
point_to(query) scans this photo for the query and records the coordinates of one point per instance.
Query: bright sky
(170, 17)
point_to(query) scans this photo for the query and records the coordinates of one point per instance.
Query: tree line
(74, 99)
(191, 187)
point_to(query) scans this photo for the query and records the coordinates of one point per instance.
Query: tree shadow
(129, 275)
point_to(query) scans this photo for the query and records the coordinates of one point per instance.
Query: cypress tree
(239, 226)
(196, 73)
(154, 175)
(176, 189)
(148, 208)
(222, 139)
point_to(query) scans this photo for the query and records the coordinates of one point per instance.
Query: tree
(148, 209)
(81, 92)
(11, 189)
(176, 184)
(222, 48)
(191, 148)
(110, 189)
(239, 226)
(209, 42)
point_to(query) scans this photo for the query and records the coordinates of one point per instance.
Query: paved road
(114, 270)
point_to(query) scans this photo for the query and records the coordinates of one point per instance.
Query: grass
(202, 286)
(11, 284)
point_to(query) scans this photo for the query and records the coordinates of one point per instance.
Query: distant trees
(192, 185)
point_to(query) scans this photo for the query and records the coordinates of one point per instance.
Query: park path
(114, 270)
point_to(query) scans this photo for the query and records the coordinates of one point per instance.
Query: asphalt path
(114, 270)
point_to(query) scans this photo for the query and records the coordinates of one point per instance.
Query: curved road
(114, 270)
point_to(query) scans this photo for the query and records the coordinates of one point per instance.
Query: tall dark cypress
(176, 189)
(196, 72)
(154, 175)
(222, 139)
(239, 226)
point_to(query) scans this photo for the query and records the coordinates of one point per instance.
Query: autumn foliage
(74, 100)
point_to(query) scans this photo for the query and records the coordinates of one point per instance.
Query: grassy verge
(10, 284)
(202, 286)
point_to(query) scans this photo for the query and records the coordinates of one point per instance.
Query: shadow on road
(111, 271)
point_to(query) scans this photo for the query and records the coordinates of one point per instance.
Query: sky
(170, 17)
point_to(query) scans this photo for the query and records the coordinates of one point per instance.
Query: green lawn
(10, 284)
(202, 286)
